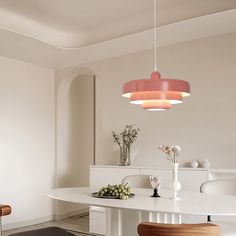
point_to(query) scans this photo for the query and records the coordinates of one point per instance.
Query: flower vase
(125, 156)
(176, 185)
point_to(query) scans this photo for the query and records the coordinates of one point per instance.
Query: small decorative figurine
(155, 185)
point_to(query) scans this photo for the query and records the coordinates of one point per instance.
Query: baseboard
(26, 223)
(81, 211)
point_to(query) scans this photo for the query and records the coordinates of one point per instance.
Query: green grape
(121, 191)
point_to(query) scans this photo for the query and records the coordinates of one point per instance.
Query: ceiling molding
(192, 29)
(30, 28)
(30, 50)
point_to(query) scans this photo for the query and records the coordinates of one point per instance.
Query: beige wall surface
(204, 125)
(26, 141)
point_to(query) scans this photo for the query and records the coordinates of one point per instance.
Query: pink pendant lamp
(156, 93)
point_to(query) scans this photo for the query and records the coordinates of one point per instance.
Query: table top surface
(191, 203)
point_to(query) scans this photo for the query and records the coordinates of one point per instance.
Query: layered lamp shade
(156, 93)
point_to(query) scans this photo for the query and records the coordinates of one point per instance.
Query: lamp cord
(155, 36)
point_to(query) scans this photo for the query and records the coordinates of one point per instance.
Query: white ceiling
(58, 25)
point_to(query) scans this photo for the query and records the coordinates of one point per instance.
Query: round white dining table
(190, 203)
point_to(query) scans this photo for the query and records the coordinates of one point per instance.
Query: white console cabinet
(191, 180)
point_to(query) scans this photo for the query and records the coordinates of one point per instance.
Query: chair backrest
(137, 181)
(156, 229)
(4, 211)
(219, 186)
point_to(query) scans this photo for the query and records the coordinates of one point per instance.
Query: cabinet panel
(221, 175)
(97, 221)
(103, 176)
(192, 180)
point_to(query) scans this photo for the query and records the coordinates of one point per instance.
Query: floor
(78, 225)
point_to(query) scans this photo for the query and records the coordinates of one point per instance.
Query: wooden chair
(4, 210)
(156, 229)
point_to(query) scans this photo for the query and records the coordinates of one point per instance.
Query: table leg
(114, 222)
(108, 222)
(179, 219)
(139, 217)
(150, 217)
(172, 218)
(116, 228)
(166, 218)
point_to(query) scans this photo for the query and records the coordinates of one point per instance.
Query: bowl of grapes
(117, 191)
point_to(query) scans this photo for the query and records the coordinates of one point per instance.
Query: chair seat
(157, 229)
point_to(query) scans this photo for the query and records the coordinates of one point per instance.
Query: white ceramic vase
(176, 185)
(206, 163)
(194, 164)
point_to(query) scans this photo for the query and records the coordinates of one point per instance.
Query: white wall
(204, 125)
(26, 141)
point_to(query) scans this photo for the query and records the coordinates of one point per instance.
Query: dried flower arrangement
(172, 152)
